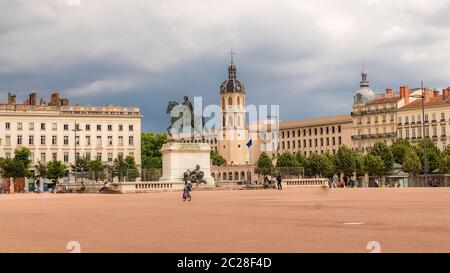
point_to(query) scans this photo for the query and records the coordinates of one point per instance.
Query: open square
(293, 220)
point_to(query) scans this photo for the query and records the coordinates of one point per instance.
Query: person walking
(334, 181)
(279, 186)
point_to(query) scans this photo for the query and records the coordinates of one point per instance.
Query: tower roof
(232, 84)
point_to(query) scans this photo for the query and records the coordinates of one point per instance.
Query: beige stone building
(317, 135)
(436, 118)
(52, 130)
(375, 115)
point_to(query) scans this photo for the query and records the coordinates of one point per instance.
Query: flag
(249, 143)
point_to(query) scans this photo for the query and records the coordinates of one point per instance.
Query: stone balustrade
(305, 182)
(142, 187)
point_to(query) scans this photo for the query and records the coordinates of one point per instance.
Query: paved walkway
(300, 220)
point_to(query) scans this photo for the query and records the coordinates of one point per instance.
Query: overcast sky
(305, 56)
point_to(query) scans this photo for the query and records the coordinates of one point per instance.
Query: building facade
(375, 115)
(57, 130)
(317, 135)
(436, 120)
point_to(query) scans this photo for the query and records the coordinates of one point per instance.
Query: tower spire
(231, 55)
(232, 67)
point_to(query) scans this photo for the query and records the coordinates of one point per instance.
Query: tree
(22, 154)
(81, 165)
(12, 168)
(264, 165)
(40, 170)
(151, 145)
(97, 169)
(374, 165)
(345, 161)
(399, 149)
(217, 159)
(411, 162)
(56, 170)
(286, 159)
(300, 159)
(359, 163)
(380, 149)
(444, 164)
(329, 164)
(433, 154)
(125, 168)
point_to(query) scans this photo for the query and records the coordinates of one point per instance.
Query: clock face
(222, 88)
(238, 88)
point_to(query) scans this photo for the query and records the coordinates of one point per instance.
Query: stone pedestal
(179, 157)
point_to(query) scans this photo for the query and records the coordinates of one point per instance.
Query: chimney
(426, 93)
(445, 93)
(404, 93)
(32, 99)
(55, 100)
(11, 98)
(388, 91)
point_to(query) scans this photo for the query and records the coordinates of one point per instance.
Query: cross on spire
(231, 54)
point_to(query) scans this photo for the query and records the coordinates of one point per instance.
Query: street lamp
(422, 96)
(76, 129)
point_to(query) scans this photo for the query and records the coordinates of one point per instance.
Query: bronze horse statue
(180, 115)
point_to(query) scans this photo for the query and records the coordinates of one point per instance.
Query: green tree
(14, 168)
(359, 163)
(217, 159)
(22, 154)
(81, 165)
(151, 145)
(40, 170)
(56, 170)
(329, 164)
(411, 163)
(345, 161)
(433, 154)
(286, 159)
(321, 165)
(264, 165)
(374, 165)
(300, 159)
(125, 167)
(97, 169)
(399, 149)
(380, 149)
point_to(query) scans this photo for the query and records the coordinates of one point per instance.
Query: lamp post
(76, 129)
(425, 159)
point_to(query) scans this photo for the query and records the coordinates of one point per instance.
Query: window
(54, 156)
(99, 127)
(7, 140)
(99, 140)
(43, 126)
(66, 127)
(88, 140)
(88, 127)
(340, 140)
(427, 131)
(120, 140)
(8, 155)
(321, 131)
(368, 120)
(310, 131)
(434, 131)
(88, 156)
(304, 143)
(282, 145)
(407, 133)
(282, 134)
(392, 117)
(315, 142)
(419, 132)
(310, 143)
(321, 142)
(77, 127)
(328, 131)
(406, 120)
(413, 119)
(54, 140)
(31, 140)
(7, 126)
(443, 130)
(54, 126)
(426, 118)
(42, 157)
(42, 140)
(334, 141)
(315, 131)
(77, 140)
(293, 144)
(66, 140)
(109, 127)
(99, 157)
(31, 126)
(19, 126)
(110, 157)
(418, 118)
(130, 128)
(110, 140)
(66, 157)
(19, 140)
(120, 156)
(442, 116)
(120, 127)
(399, 120)
(433, 117)
(31, 157)
(332, 130)
(288, 144)
(288, 134)
(328, 141)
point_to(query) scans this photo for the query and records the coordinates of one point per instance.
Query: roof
(432, 102)
(315, 121)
